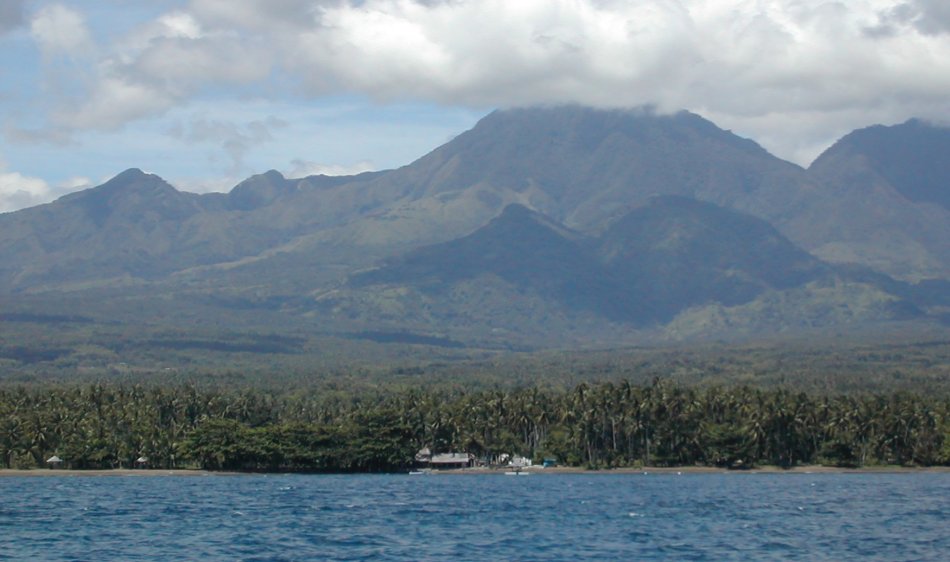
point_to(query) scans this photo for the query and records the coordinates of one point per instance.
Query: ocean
(478, 517)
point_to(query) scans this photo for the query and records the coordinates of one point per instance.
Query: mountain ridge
(654, 263)
(600, 224)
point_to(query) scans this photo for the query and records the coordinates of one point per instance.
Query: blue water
(462, 517)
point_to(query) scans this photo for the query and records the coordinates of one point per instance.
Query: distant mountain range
(550, 226)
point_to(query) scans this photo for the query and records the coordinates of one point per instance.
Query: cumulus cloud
(155, 67)
(18, 191)
(61, 30)
(113, 102)
(756, 65)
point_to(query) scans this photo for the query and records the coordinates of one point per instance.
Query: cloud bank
(793, 75)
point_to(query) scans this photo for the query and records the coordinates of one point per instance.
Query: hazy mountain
(129, 226)
(580, 166)
(138, 227)
(586, 167)
(914, 158)
(676, 252)
(259, 191)
(546, 222)
(883, 201)
(520, 247)
(650, 265)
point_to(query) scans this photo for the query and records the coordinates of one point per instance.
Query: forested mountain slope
(552, 225)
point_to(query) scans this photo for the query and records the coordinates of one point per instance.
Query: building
(443, 461)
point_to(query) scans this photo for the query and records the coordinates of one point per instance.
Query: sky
(208, 92)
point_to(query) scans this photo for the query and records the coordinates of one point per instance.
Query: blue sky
(207, 92)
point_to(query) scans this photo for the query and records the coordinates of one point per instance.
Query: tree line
(607, 424)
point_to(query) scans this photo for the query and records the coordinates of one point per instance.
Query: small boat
(418, 472)
(516, 473)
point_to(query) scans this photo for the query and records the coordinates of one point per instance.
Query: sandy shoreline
(487, 471)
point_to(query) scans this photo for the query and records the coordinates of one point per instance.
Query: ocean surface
(478, 517)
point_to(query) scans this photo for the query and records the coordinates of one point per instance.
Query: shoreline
(804, 469)
(683, 470)
(139, 472)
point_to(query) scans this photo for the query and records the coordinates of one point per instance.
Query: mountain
(654, 263)
(131, 226)
(520, 247)
(580, 166)
(551, 225)
(259, 191)
(136, 227)
(586, 167)
(883, 201)
(911, 157)
(678, 252)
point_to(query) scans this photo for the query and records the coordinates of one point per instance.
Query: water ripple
(549, 517)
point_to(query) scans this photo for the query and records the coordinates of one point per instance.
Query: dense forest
(591, 424)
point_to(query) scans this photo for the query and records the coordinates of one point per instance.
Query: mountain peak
(582, 165)
(130, 194)
(131, 174)
(702, 252)
(515, 211)
(593, 124)
(259, 191)
(911, 156)
(130, 181)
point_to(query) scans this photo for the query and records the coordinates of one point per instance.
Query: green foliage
(608, 424)
(726, 445)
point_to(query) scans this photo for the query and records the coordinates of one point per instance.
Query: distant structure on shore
(443, 461)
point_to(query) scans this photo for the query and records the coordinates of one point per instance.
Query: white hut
(54, 462)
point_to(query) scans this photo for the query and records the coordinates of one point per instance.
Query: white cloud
(59, 30)
(207, 185)
(158, 66)
(180, 24)
(113, 102)
(757, 66)
(303, 168)
(18, 191)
